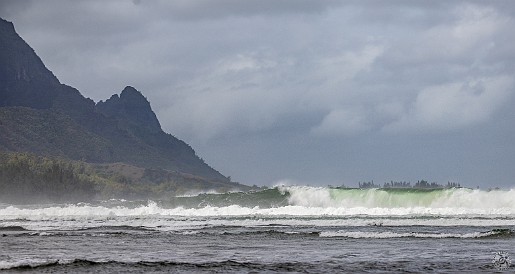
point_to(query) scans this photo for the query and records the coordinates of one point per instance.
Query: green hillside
(29, 178)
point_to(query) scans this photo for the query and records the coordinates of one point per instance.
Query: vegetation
(50, 133)
(24, 176)
(29, 178)
(418, 184)
(368, 185)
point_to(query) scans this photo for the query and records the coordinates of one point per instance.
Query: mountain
(40, 115)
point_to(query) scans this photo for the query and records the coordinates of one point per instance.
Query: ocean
(287, 229)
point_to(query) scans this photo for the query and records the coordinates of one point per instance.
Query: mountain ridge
(38, 114)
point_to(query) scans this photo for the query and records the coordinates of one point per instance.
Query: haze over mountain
(38, 114)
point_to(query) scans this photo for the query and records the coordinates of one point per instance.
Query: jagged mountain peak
(131, 91)
(132, 107)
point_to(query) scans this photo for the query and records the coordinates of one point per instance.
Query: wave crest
(289, 201)
(389, 234)
(401, 198)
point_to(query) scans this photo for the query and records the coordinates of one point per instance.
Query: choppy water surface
(285, 229)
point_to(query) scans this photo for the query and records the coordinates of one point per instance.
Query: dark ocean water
(283, 230)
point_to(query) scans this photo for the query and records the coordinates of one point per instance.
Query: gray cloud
(457, 104)
(319, 91)
(210, 10)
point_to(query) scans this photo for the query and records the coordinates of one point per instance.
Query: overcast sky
(302, 91)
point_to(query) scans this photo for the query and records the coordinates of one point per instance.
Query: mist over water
(234, 232)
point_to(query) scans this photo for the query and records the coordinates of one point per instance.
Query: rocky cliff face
(56, 120)
(25, 81)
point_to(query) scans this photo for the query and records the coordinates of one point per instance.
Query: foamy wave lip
(457, 198)
(388, 235)
(151, 210)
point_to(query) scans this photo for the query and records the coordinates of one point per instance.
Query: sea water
(285, 229)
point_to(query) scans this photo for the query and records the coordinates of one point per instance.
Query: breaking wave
(401, 198)
(290, 201)
(389, 234)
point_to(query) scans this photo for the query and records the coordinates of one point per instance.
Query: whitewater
(283, 229)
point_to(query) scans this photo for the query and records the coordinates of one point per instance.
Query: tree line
(404, 184)
(25, 177)
(30, 178)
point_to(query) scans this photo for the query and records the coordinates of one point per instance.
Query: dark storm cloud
(317, 91)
